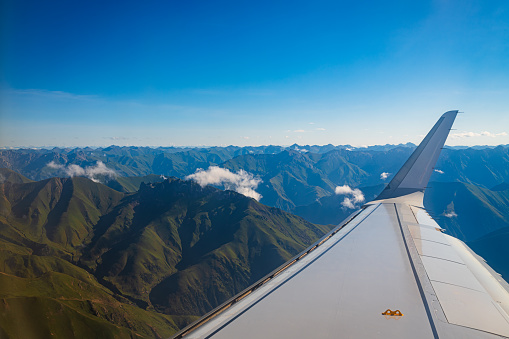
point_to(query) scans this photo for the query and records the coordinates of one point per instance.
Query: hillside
(81, 259)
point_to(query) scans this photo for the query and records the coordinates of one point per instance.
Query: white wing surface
(388, 271)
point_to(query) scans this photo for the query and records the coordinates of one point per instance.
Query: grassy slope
(80, 259)
(37, 244)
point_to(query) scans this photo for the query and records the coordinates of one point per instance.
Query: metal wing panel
(463, 289)
(363, 272)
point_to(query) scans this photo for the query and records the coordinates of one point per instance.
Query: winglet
(415, 173)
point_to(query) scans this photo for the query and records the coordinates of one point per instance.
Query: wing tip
(450, 113)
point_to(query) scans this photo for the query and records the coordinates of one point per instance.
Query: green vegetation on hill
(80, 259)
(7, 175)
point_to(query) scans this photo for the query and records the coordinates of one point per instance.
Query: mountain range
(83, 260)
(292, 176)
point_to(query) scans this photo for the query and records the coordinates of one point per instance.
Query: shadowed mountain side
(501, 187)
(494, 248)
(466, 211)
(484, 167)
(475, 215)
(132, 184)
(178, 227)
(263, 239)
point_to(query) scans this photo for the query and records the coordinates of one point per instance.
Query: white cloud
(53, 164)
(493, 135)
(51, 94)
(299, 131)
(311, 123)
(241, 182)
(460, 135)
(439, 171)
(163, 177)
(90, 172)
(348, 203)
(320, 129)
(450, 214)
(384, 175)
(354, 196)
(302, 150)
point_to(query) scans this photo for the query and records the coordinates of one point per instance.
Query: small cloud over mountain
(384, 175)
(353, 196)
(302, 150)
(450, 214)
(241, 182)
(439, 171)
(91, 172)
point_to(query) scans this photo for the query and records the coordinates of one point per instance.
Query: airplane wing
(388, 271)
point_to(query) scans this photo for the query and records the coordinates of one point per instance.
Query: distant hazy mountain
(292, 176)
(95, 262)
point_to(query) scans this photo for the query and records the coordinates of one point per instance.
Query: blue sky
(251, 73)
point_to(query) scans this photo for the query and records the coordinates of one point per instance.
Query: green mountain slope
(170, 231)
(7, 175)
(83, 260)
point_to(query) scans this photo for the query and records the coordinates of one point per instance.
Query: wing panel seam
(419, 286)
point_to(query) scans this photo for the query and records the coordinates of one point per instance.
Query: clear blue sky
(251, 72)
